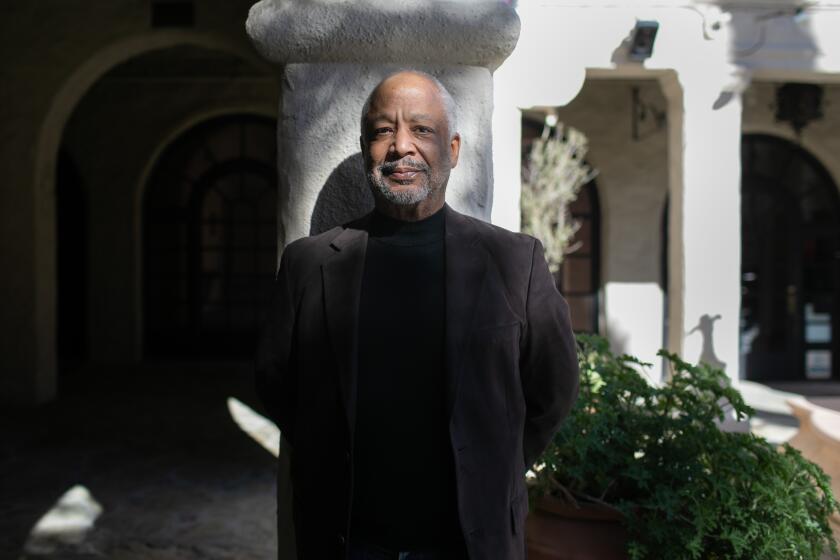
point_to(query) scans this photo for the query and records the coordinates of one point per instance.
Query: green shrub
(686, 488)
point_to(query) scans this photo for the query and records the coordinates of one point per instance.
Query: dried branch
(552, 179)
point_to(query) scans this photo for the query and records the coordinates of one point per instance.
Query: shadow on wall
(758, 34)
(621, 54)
(706, 326)
(344, 197)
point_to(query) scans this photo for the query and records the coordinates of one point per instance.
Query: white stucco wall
(702, 83)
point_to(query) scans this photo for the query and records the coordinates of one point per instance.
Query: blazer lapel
(342, 276)
(466, 268)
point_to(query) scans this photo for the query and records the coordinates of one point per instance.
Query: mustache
(390, 166)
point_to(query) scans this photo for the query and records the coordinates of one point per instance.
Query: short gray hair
(449, 108)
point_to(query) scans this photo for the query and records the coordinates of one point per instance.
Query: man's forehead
(408, 81)
(412, 104)
(385, 114)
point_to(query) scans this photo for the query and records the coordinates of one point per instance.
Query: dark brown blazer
(511, 367)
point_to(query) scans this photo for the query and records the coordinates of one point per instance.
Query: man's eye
(423, 129)
(383, 130)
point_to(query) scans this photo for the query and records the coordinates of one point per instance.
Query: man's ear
(454, 149)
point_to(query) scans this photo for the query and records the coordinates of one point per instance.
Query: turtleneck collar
(390, 230)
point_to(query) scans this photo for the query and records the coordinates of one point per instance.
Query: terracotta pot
(557, 531)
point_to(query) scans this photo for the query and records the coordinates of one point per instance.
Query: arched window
(210, 239)
(790, 265)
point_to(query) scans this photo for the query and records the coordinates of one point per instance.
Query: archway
(64, 104)
(790, 223)
(210, 239)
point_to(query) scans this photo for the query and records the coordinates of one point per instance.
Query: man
(417, 360)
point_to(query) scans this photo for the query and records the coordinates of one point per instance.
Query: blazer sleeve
(548, 359)
(275, 371)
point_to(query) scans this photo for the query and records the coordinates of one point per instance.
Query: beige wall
(632, 180)
(53, 54)
(632, 187)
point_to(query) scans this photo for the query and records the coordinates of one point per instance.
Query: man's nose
(403, 143)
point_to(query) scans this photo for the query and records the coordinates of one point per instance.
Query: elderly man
(417, 360)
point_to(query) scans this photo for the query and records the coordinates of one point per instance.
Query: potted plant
(653, 465)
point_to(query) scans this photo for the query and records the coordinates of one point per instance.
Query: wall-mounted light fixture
(799, 104)
(644, 35)
(643, 112)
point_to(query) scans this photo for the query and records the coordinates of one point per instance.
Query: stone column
(705, 215)
(331, 54)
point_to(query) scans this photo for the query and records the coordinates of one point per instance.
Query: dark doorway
(210, 240)
(71, 265)
(579, 275)
(790, 264)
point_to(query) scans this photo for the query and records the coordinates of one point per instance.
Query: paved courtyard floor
(152, 467)
(153, 463)
(774, 419)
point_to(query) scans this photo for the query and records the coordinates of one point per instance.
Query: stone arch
(828, 160)
(62, 106)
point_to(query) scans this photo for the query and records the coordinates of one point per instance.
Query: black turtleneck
(404, 485)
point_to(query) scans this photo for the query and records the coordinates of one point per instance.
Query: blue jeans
(360, 551)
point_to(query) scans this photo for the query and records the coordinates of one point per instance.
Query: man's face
(407, 143)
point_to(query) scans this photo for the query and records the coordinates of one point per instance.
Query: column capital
(471, 33)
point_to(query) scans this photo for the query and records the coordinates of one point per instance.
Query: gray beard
(414, 195)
